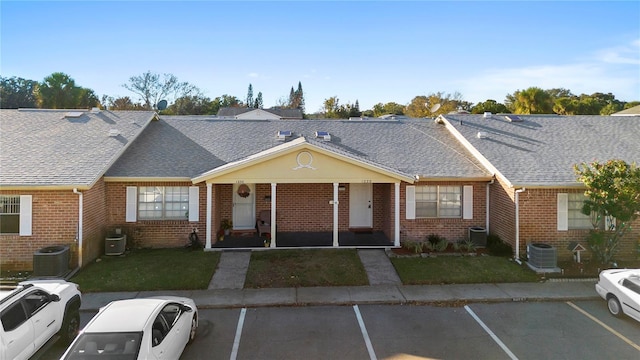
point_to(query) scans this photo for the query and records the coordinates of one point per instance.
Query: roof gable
(300, 161)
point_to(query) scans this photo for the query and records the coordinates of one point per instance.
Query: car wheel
(614, 306)
(194, 328)
(70, 326)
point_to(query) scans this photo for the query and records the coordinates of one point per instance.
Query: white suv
(34, 312)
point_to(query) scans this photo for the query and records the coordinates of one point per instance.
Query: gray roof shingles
(187, 146)
(43, 148)
(542, 149)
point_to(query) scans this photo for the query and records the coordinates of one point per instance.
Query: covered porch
(315, 197)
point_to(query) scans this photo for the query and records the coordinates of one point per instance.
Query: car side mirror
(186, 308)
(54, 297)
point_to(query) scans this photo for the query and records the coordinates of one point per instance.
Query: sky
(366, 51)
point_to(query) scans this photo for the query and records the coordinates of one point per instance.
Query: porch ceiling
(299, 161)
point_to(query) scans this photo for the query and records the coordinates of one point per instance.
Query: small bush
(414, 246)
(434, 239)
(465, 245)
(441, 245)
(497, 247)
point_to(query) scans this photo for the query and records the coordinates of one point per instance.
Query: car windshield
(120, 346)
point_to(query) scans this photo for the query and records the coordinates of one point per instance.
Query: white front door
(360, 205)
(244, 206)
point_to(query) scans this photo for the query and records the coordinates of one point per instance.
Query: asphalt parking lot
(514, 330)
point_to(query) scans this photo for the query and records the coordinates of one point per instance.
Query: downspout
(517, 258)
(79, 234)
(486, 227)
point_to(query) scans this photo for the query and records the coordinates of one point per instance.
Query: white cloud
(612, 70)
(253, 75)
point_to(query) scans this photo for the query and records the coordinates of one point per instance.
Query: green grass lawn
(461, 270)
(303, 268)
(149, 269)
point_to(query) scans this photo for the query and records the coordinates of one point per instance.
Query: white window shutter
(563, 211)
(132, 204)
(25, 215)
(467, 202)
(194, 203)
(410, 203)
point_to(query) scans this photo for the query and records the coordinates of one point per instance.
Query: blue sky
(373, 52)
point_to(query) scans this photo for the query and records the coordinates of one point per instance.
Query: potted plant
(226, 225)
(220, 235)
(267, 240)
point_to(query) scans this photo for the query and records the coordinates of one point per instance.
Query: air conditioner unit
(542, 256)
(115, 244)
(51, 261)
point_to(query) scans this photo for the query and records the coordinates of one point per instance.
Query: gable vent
(283, 134)
(324, 135)
(513, 118)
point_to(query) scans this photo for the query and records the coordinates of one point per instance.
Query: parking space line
(365, 334)
(622, 337)
(493, 336)
(236, 341)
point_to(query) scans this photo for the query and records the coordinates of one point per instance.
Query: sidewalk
(226, 289)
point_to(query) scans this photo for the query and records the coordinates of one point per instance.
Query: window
(163, 202)
(9, 214)
(577, 220)
(36, 301)
(13, 317)
(438, 201)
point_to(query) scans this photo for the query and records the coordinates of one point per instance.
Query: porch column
(335, 203)
(273, 215)
(209, 211)
(396, 230)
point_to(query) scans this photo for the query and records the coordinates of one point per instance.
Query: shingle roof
(283, 113)
(187, 146)
(632, 111)
(43, 148)
(542, 149)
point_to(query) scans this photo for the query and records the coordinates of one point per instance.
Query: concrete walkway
(231, 271)
(379, 269)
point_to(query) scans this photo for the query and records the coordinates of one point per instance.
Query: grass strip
(149, 270)
(461, 270)
(305, 268)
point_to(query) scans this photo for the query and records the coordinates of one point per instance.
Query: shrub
(434, 239)
(465, 245)
(441, 245)
(415, 246)
(497, 247)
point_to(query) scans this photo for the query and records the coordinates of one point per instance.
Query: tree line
(59, 91)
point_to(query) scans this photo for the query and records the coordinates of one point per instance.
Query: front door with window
(244, 206)
(360, 206)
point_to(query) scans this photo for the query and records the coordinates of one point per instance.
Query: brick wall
(451, 229)
(538, 221)
(502, 212)
(538, 224)
(94, 222)
(152, 233)
(54, 222)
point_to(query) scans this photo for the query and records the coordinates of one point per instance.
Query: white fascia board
(145, 179)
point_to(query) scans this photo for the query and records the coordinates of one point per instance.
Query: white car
(145, 328)
(621, 289)
(35, 313)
